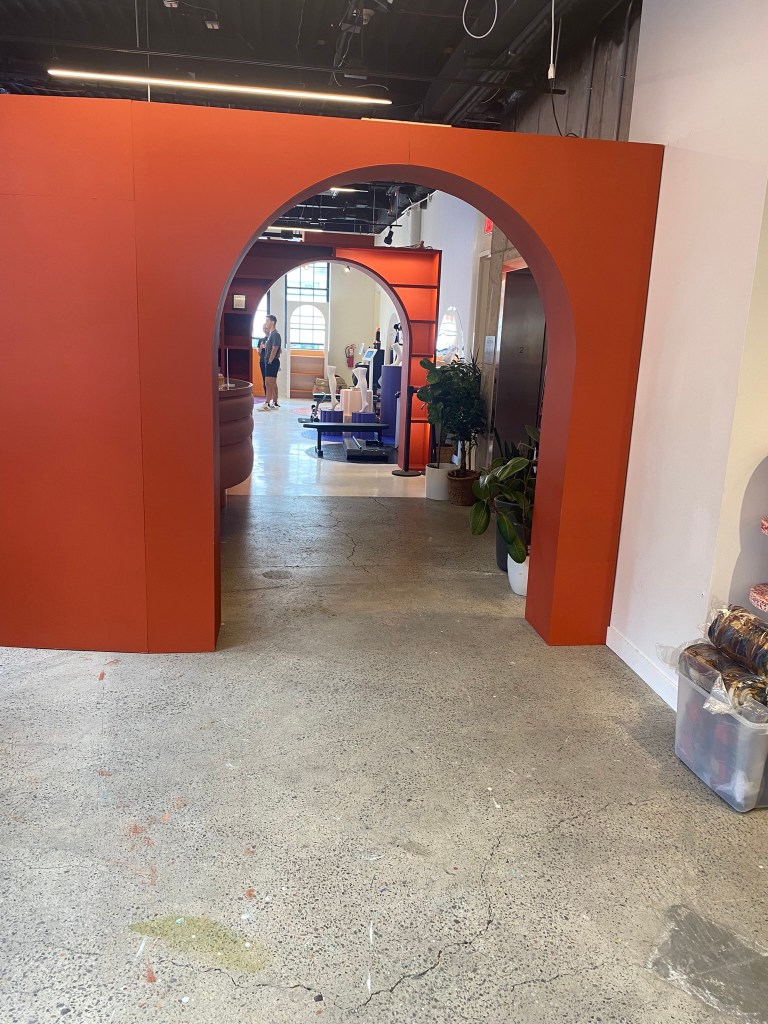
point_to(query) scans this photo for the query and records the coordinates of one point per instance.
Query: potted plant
(435, 394)
(507, 490)
(455, 389)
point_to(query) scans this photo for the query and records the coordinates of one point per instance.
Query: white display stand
(366, 397)
(351, 401)
(331, 375)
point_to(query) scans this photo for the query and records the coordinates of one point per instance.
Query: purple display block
(363, 417)
(390, 385)
(331, 416)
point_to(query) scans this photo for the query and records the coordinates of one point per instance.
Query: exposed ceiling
(360, 207)
(415, 53)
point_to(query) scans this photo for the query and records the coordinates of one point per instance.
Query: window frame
(301, 283)
(293, 331)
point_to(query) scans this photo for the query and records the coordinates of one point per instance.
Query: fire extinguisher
(349, 352)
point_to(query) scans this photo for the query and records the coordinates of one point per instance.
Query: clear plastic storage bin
(727, 752)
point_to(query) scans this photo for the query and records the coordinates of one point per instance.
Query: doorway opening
(338, 309)
(327, 315)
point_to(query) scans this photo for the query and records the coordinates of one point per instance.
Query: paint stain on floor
(416, 849)
(714, 965)
(208, 940)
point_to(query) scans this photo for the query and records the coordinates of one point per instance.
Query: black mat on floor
(337, 453)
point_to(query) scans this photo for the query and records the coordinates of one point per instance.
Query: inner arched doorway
(409, 277)
(193, 190)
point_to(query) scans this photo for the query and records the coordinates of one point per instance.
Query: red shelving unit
(235, 345)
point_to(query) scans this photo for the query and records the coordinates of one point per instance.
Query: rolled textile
(743, 637)
(705, 665)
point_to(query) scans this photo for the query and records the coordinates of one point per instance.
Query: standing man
(262, 354)
(272, 350)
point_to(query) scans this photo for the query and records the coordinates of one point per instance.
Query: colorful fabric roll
(705, 665)
(743, 637)
(758, 596)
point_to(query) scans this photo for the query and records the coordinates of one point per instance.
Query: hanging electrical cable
(493, 25)
(146, 16)
(551, 71)
(301, 24)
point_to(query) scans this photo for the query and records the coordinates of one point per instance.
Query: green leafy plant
(436, 394)
(455, 405)
(507, 489)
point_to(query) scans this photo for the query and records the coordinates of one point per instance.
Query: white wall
(741, 551)
(456, 228)
(353, 314)
(701, 83)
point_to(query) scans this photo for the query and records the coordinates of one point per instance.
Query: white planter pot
(517, 574)
(437, 481)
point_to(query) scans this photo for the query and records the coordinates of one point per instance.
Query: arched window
(450, 337)
(306, 328)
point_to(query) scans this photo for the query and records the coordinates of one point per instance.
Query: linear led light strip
(422, 124)
(246, 90)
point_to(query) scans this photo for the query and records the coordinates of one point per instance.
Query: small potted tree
(435, 394)
(455, 386)
(507, 490)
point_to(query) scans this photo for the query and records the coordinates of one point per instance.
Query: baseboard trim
(662, 684)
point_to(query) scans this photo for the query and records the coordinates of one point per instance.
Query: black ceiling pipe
(623, 72)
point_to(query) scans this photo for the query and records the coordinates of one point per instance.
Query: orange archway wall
(122, 225)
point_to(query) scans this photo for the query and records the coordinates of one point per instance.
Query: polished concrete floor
(282, 465)
(383, 799)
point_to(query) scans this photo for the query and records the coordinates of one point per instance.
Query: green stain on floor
(207, 940)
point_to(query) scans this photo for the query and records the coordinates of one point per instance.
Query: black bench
(344, 428)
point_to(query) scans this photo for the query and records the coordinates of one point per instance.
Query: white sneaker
(263, 408)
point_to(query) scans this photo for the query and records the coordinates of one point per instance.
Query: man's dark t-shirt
(274, 341)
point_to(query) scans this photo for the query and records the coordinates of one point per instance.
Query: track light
(188, 83)
(171, 3)
(212, 23)
(388, 237)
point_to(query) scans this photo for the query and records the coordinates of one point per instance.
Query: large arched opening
(556, 421)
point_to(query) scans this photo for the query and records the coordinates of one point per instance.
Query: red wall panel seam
(141, 378)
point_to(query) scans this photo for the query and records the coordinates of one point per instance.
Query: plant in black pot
(454, 388)
(507, 489)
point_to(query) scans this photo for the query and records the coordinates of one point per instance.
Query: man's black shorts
(272, 368)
